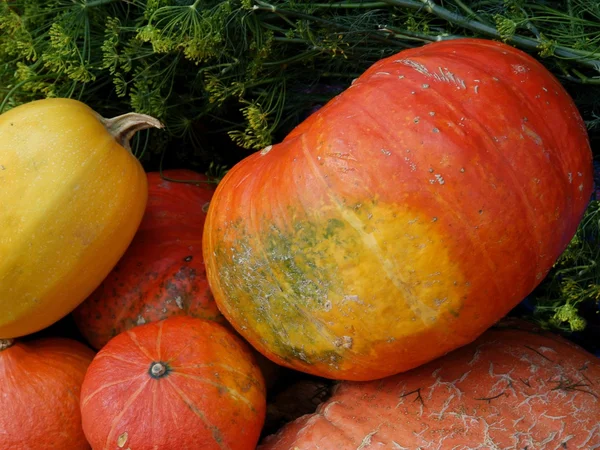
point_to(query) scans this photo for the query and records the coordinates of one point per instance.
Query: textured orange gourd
(404, 217)
(162, 272)
(40, 383)
(181, 383)
(71, 200)
(517, 389)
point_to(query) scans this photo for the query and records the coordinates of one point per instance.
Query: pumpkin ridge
(159, 325)
(285, 286)
(59, 366)
(231, 392)
(126, 406)
(133, 337)
(412, 301)
(68, 356)
(118, 358)
(215, 432)
(179, 353)
(474, 239)
(523, 99)
(154, 387)
(417, 303)
(92, 394)
(324, 414)
(208, 365)
(532, 108)
(480, 66)
(277, 330)
(516, 186)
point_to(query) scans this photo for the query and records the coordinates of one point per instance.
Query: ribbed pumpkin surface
(181, 383)
(40, 383)
(403, 218)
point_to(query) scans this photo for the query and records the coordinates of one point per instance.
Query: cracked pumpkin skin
(162, 272)
(403, 218)
(180, 383)
(516, 387)
(39, 394)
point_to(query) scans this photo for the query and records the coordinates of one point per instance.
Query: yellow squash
(72, 196)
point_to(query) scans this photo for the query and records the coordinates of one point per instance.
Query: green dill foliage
(253, 69)
(572, 289)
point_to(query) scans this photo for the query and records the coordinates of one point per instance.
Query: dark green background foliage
(230, 77)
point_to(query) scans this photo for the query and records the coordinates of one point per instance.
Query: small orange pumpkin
(40, 382)
(180, 383)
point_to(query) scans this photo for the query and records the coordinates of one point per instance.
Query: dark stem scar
(418, 398)
(489, 399)
(539, 353)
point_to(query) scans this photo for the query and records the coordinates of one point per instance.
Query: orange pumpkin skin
(162, 272)
(517, 389)
(212, 395)
(39, 394)
(403, 218)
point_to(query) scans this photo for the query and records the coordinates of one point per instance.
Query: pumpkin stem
(123, 127)
(5, 343)
(158, 369)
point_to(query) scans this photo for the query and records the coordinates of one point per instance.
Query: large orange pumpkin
(510, 389)
(40, 382)
(72, 196)
(162, 272)
(182, 383)
(404, 217)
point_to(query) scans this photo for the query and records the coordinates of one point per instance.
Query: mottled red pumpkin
(403, 218)
(181, 383)
(510, 389)
(162, 272)
(40, 382)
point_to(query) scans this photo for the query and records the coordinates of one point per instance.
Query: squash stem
(6, 343)
(123, 127)
(158, 369)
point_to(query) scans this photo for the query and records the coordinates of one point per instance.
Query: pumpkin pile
(162, 272)
(395, 225)
(515, 387)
